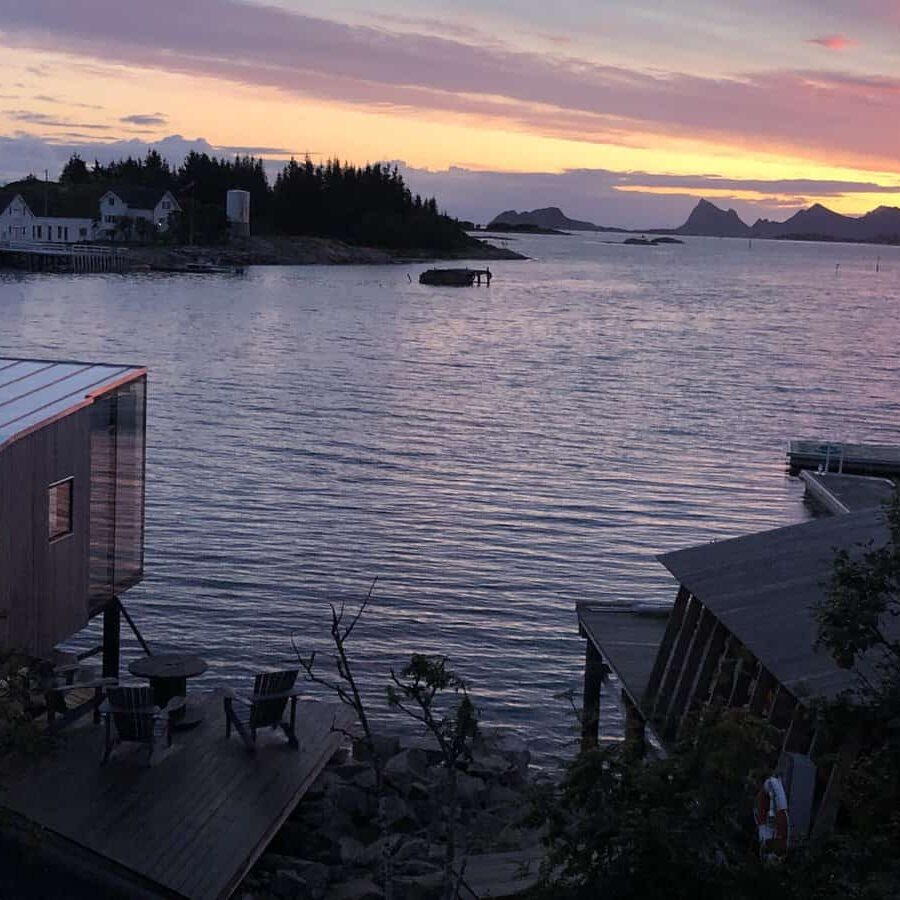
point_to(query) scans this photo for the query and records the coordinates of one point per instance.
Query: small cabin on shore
(741, 633)
(72, 446)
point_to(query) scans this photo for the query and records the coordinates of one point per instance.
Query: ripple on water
(492, 456)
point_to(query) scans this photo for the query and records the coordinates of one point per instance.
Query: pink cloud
(822, 114)
(833, 42)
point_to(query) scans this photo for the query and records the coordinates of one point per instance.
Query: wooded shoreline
(299, 251)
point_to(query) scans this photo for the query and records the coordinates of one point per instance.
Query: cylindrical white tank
(237, 209)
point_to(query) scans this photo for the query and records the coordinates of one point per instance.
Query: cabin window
(111, 201)
(166, 204)
(61, 508)
(82, 232)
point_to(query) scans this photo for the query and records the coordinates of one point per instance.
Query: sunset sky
(623, 113)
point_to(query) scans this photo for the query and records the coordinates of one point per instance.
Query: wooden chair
(265, 708)
(136, 719)
(69, 690)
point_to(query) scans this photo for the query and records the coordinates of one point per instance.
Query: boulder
(350, 800)
(393, 808)
(353, 852)
(365, 779)
(499, 795)
(357, 889)
(289, 885)
(412, 848)
(407, 764)
(469, 789)
(418, 887)
(386, 746)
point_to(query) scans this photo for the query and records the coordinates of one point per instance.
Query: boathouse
(72, 442)
(740, 633)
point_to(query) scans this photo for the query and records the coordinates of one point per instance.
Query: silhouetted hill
(881, 224)
(708, 219)
(548, 217)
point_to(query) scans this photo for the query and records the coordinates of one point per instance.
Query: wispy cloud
(70, 104)
(48, 121)
(833, 42)
(817, 114)
(148, 119)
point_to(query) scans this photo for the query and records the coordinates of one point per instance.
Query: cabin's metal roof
(34, 392)
(762, 588)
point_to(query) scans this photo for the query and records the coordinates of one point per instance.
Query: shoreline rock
(339, 840)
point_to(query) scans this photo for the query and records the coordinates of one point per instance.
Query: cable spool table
(168, 674)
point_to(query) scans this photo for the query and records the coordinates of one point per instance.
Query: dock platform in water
(853, 459)
(190, 826)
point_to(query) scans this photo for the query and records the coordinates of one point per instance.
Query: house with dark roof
(741, 634)
(130, 209)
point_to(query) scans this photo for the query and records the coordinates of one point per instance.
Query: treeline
(369, 205)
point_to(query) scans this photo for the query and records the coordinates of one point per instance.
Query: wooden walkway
(858, 459)
(847, 493)
(191, 825)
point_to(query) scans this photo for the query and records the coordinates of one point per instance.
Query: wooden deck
(628, 637)
(191, 825)
(858, 459)
(847, 493)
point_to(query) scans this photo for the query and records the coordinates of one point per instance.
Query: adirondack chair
(264, 708)
(136, 719)
(64, 688)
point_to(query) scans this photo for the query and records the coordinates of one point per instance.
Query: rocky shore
(344, 838)
(287, 251)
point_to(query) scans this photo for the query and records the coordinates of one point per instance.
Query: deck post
(590, 712)
(112, 621)
(635, 731)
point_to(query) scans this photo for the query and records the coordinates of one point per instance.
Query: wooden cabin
(740, 633)
(72, 445)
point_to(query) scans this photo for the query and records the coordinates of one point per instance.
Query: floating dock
(455, 277)
(855, 459)
(190, 826)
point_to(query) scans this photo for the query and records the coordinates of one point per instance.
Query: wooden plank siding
(676, 660)
(665, 648)
(190, 826)
(690, 671)
(31, 566)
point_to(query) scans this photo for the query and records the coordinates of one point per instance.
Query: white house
(16, 219)
(61, 229)
(151, 205)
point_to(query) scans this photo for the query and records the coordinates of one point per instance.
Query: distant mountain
(881, 224)
(708, 219)
(549, 217)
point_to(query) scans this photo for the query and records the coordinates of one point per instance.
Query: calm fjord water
(491, 455)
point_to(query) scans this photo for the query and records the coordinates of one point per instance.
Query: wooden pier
(852, 459)
(191, 825)
(52, 257)
(841, 494)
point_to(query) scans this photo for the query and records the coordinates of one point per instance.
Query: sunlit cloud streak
(833, 42)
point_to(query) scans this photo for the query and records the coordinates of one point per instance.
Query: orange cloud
(833, 42)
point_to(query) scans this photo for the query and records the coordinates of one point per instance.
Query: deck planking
(628, 638)
(191, 825)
